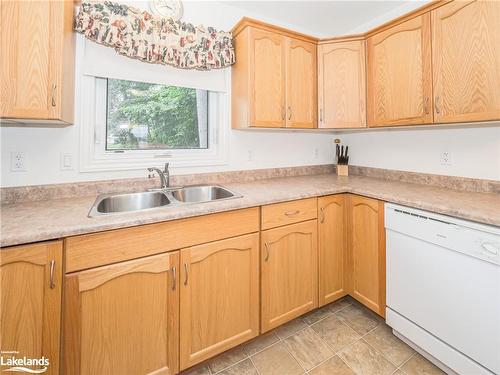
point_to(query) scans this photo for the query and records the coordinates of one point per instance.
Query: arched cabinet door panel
(399, 74)
(289, 284)
(219, 297)
(466, 61)
(123, 318)
(342, 85)
(30, 309)
(367, 251)
(301, 78)
(332, 245)
(267, 79)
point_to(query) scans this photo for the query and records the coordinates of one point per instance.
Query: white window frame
(94, 157)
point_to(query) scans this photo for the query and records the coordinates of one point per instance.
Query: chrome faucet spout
(164, 177)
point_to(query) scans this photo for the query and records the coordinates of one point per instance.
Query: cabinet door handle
(54, 86)
(174, 277)
(426, 105)
(186, 271)
(322, 215)
(289, 112)
(283, 112)
(321, 115)
(436, 104)
(266, 246)
(292, 213)
(52, 263)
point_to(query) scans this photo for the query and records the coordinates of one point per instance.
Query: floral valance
(140, 35)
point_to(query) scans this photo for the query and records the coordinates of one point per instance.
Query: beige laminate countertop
(51, 219)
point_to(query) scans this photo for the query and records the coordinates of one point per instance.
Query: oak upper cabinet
(399, 74)
(366, 241)
(30, 310)
(332, 248)
(123, 318)
(274, 79)
(466, 61)
(301, 84)
(289, 277)
(37, 59)
(219, 297)
(342, 85)
(267, 67)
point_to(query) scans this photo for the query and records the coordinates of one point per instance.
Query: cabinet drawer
(276, 215)
(98, 249)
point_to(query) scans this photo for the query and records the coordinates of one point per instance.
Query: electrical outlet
(66, 161)
(18, 161)
(249, 155)
(315, 153)
(445, 158)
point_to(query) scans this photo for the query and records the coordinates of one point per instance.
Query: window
(147, 116)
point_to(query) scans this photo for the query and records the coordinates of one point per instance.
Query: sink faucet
(164, 175)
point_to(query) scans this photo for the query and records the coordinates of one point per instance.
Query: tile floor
(342, 338)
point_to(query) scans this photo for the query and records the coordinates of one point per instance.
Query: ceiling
(328, 17)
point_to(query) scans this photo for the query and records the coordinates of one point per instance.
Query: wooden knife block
(342, 170)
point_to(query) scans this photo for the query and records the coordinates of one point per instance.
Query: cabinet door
(342, 85)
(301, 85)
(367, 251)
(123, 318)
(399, 74)
(267, 79)
(289, 273)
(332, 244)
(466, 61)
(30, 310)
(37, 60)
(219, 297)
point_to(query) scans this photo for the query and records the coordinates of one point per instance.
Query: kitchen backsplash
(56, 191)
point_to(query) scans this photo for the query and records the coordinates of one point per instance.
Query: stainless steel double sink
(107, 204)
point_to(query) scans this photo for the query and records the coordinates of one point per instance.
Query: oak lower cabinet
(289, 273)
(466, 61)
(30, 309)
(332, 248)
(219, 297)
(366, 241)
(123, 318)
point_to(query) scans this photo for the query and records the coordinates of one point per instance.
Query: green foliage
(169, 112)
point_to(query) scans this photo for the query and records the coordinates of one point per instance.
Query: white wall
(474, 150)
(43, 146)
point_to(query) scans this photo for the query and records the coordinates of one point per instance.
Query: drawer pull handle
(52, 263)
(322, 212)
(187, 276)
(292, 213)
(266, 246)
(174, 277)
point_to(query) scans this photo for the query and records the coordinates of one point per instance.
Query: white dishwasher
(443, 287)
